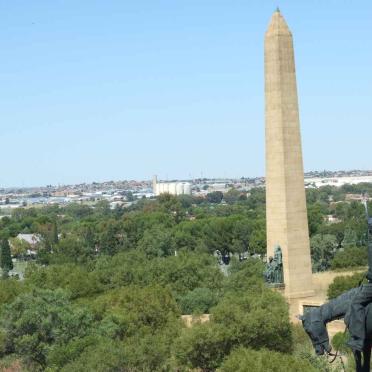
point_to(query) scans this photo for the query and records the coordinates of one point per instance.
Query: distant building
(25, 245)
(330, 218)
(32, 239)
(356, 197)
(173, 188)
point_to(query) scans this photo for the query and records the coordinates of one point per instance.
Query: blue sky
(101, 90)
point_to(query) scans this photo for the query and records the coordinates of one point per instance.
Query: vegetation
(107, 288)
(6, 263)
(259, 361)
(343, 283)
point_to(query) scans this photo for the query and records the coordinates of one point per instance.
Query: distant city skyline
(351, 176)
(124, 90)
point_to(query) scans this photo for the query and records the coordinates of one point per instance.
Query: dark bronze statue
(355, 307)
(274, 268)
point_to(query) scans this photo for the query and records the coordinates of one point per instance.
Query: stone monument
(286, 211)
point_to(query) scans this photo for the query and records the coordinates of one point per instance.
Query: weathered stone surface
(285, 192)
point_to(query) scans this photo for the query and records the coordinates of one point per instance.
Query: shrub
(242, 359)
(343, 283)
(199, 301)
(339, 342)
(255, 318)
(202, 346)
(350, 257)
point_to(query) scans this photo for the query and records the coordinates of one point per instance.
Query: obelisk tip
(278, 25)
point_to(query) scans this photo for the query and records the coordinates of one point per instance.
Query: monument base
(298, 295)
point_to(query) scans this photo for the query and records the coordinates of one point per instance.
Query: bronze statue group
(274, 268)
(355, 307)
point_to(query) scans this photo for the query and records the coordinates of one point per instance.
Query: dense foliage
(264, 361)
(6, 263)
(107, 288)
(343, 283)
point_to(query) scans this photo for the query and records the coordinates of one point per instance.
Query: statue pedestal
(280, 287)
(298, 305)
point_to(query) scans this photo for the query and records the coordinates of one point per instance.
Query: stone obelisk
(286, 212)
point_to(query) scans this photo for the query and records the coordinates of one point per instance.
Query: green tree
(350, 257)
(99, 354)
(102, 207)
(226, 234)
(172, 206)
(232, 196)
(257, 199)
(199, 301)
(129, 196)
(19, 247)
(215, 197)
(256, 318)
(201, 347)
(5, 256)
(186, 272)
(157, 242)
(75, 279)
(144, 320)
(343, 283)
(188, 234)
(78, 211)
(315, 215)
(258, 236)
(336, 229)
(75, 248)
(36, 321)
(186, 201)
(323, 249)
(54, 232)
(10, 289)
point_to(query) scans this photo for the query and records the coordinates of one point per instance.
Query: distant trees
(323, 249)
(79, 233)
(337, 227)
(350, 257)
(6, 263)
(198, 301)
(157, 242)
(54, 234)
(315, 213)
(108, 286)
(232, 196)
(130, 197)
(19, 247)
(215, 197)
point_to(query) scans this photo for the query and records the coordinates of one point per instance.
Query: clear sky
(108, 90)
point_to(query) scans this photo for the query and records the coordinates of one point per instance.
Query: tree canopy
(107, 287)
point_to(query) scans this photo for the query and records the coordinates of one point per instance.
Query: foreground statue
(355, 307)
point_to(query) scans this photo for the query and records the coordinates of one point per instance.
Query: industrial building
(173, 188)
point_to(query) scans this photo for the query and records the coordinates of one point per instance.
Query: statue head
(278, 255)
(317, 331)
(271, 258)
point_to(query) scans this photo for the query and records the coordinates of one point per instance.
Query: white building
(32, 239)
(173, 188)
